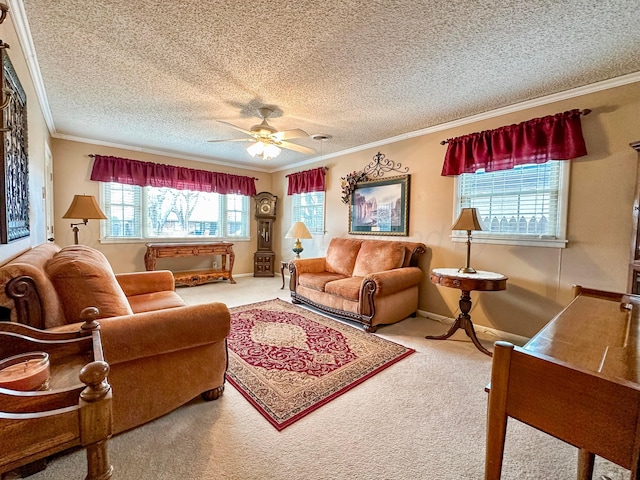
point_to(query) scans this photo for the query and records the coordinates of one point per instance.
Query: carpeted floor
(422, 418)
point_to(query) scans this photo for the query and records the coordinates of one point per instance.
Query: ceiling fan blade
(233, 140)
(289, 134)
(297, 148)
(236, 127)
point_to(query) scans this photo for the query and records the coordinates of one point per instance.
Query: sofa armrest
(139, 283)
(141, 335)
(392, 281)
(309, 265)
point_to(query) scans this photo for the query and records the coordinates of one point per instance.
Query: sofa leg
(414, 314)
(370, 328)
(213, 394)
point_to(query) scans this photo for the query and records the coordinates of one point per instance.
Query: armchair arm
(309, 265)
(130, 337)
(392, 281)
(139, 283)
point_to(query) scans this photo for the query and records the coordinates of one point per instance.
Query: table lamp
(467, 220)
(298, 230)
(85, 207)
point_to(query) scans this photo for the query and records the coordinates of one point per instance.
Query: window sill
(174, 240)
(513, 240)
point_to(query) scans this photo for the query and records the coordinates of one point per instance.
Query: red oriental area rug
(288, 361)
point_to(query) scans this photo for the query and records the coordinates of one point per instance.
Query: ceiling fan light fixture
(264, 150)
(256, 149)
(270, 151)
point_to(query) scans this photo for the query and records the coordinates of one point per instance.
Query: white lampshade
(298, 230)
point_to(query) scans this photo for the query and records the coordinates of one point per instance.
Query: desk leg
(463, 321)
(497, 411)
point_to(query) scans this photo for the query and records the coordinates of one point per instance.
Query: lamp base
(297, 248)
(466, 270)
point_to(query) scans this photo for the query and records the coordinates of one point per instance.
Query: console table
(467, 282)
(578, 379)
(74, 411)
(193, 277)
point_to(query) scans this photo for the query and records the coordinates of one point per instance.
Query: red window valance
(306, 181)
(554, 137)
(147, 174)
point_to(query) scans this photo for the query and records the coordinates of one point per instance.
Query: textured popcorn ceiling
(157, 75)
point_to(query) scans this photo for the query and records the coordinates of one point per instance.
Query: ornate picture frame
(380, 207)
(14, 164)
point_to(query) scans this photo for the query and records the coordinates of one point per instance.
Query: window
(149, 212)
(309, 208)
(524, 206)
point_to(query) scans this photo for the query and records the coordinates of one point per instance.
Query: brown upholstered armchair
(162, 352)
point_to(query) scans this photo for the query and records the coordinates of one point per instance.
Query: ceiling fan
(268, 140)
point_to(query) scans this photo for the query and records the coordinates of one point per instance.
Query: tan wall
(37, 138)
(72, 170)
(540, 278)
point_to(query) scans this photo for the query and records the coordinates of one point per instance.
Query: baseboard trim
(499, 334)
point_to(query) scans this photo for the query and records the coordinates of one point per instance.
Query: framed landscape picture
(380, 207)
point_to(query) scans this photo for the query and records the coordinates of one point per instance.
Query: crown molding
(19, 18)
(516, 107)
(164, 153)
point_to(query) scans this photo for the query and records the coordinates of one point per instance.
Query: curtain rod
(325, 169)
(584, 112)
(93, 155)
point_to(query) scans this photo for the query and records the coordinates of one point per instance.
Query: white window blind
(309, 208)
(122, 206)
(527, 202)
(137, 212)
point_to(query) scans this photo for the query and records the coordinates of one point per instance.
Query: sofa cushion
(341, 255)
(317, 281)
(83, 278)
(348, 288)
(378, 256)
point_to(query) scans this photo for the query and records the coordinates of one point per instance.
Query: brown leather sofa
(162, 352)
(373, 282)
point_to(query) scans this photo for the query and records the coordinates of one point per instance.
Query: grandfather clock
(265, 214)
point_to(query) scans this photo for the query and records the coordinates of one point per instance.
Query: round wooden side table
(466, 282)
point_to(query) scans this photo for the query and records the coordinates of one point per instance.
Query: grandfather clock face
(265, 205)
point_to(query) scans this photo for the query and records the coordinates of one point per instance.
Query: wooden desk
(578, 380)
(467, 282)
(193, 277)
